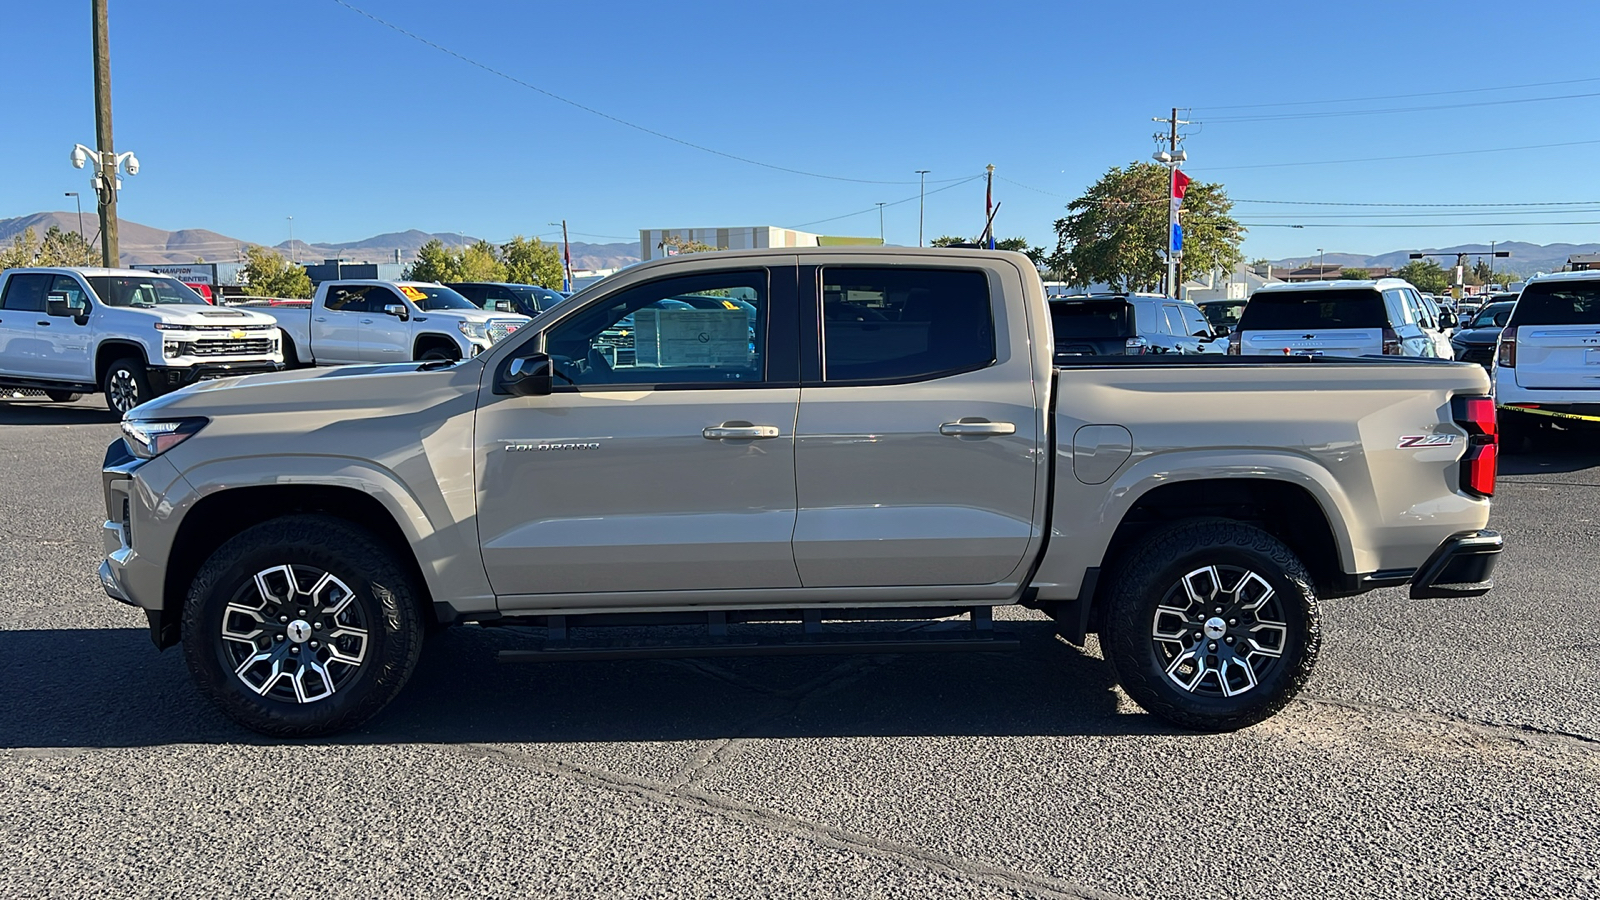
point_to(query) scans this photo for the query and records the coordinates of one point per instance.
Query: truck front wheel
(1212, 625)
(126, 385)
(302, 626)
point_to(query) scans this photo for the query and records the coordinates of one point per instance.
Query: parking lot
(1444, 748)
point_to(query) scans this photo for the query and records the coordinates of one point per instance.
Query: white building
(652, 241)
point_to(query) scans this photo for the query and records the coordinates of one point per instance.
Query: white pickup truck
(384, 322)
(131, 334)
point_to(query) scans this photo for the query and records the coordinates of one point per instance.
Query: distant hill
(144, 245)
(1525, 259)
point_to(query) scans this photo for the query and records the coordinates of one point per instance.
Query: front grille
(1482, 355)
(498, 329)
(246, 347)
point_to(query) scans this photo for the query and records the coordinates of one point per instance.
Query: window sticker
(412, 294)
(691, 337)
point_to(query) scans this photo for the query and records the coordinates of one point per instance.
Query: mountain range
(144, 245)
(1526, 259)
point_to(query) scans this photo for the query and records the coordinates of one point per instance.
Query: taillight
(1391, 342)
(1476, 416)
(1136, 345)
(1507, 354)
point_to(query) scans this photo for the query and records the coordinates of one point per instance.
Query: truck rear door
(23, 351)
(336, 322)
(1313, 322)
(1558, 335)
(918, 445)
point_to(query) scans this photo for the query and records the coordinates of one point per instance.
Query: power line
(1440, 205)
(1342, 113)
(875, 207)
(604, 115)
(1413, 224)
(1419, 215)
(1333, 162)
(1509, 87)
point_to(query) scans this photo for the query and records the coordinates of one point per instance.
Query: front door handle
(320, 319)
(366, 321)
(975, 427)
(45, 323)
(739, 431)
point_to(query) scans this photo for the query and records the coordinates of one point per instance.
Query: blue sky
(245, 113)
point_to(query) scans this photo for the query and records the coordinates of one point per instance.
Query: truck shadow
(1555, 452)
(74, 688)
(42, 412)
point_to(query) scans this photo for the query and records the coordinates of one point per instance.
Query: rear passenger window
(25, 292)
(904, 324)
(1300, 310)
(1558, 303)
(351, 299)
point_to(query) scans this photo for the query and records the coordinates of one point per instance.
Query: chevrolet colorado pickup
(887, 441)
(384, 321)
(126, 333)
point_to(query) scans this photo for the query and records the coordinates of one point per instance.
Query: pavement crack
(1501, 730)
(689, 798)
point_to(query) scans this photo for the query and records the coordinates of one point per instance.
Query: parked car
(1475, 340)
(1120, 324)
(1547, 365)
(362, 321)
(524, 299)
(128, 334)
(1385, 317)
(911, 454)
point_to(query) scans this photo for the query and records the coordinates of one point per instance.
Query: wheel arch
(109, 351)
(430, 340)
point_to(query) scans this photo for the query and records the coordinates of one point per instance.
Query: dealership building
(652, 241)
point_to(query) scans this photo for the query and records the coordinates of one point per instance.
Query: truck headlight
(170, 349)
(475, 331)
(147, 439)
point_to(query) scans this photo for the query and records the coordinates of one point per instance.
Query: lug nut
(302, 613)
(314, 644)
(1229, 639)
(316, 626)
(280, 637)
(283, 619)
(1233, 622)
(1219, 610)
(297, 649)
(1213, 645)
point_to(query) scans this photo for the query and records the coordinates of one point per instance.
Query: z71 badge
(1426, 440)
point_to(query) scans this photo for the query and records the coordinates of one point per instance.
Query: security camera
(133, 164)
(79, 157)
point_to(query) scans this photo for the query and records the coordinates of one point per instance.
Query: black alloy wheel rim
(295, 634)
(1219, 632)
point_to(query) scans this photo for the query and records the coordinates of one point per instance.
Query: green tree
(532, 262)
(435, 262)
(945, 240)
(24, 250)
(678, 246)
(1117, 231)
(481, 262)
(267, 274)
(1425, 275)
(1355, 274)
(66, 248)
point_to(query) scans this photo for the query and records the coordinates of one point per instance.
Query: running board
(978, 635)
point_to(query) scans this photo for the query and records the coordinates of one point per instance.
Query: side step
(979, 636)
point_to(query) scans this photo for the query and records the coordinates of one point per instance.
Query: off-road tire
(439, 352)
(1159, 564)
(383, 588)
(63, 396)
(122, 377)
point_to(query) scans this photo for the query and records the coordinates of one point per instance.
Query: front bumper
(1463, 566)
(170, 378)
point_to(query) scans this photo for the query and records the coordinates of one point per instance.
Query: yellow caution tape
(1552, 413)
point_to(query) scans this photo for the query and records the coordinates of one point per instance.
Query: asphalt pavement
(1443, 749)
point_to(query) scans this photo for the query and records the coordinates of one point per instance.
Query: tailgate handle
(739, 431)
(975, 427)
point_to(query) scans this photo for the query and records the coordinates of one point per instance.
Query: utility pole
(292, 257)
(106, 189)
(1171, 157)
(988, 209)
(922, 199)
(566, 254)
(82, 239)
(880, 221)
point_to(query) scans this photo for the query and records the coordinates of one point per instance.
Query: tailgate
(1558, 356)
(1315, 342)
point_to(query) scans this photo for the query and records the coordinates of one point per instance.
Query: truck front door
(919, 444)
(69, 354)
(669, 467)
(385, 338)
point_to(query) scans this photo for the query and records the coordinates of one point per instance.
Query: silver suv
(1385, 317)
(1127, 324)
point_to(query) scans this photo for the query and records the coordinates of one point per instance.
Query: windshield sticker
(412, 294)
(1426, 440)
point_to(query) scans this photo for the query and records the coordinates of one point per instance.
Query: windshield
(1093, 320)
(538, 298)
(144, 291)
(1559, 303)
(1301, 310)
(1223, 314)
(434, 297)
(1495, 314)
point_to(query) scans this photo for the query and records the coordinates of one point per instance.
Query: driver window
(66, 284)
(351, 299)
(694, 329)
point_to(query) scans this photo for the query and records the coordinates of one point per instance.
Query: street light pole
(922, 197)
(292, 257)
(880, 221)
(78, 200)
(1322, 264)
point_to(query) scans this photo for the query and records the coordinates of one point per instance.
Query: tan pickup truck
(816, 436)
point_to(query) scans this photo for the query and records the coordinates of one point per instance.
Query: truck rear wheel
(1212, 625)
(302, 626)
(126, 385)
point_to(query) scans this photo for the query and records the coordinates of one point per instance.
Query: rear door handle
(320, 319)
(366, 321)
(45, 323)
(730, 431)
(968, 427)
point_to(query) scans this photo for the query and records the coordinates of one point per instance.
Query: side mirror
(55, 305)
(398, 310)
(528, 376)
(502, 306)
(1447, 319)
(1224, 330)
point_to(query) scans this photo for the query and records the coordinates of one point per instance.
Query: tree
(434, 263)
(1117, 231)
(532, 262)
(1019, 244)
(1425, 275)
(481, 262)
(24, 250)
(268, 274)
(1355, 274)
(677, 246)
(66, 248)
(945, 240)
